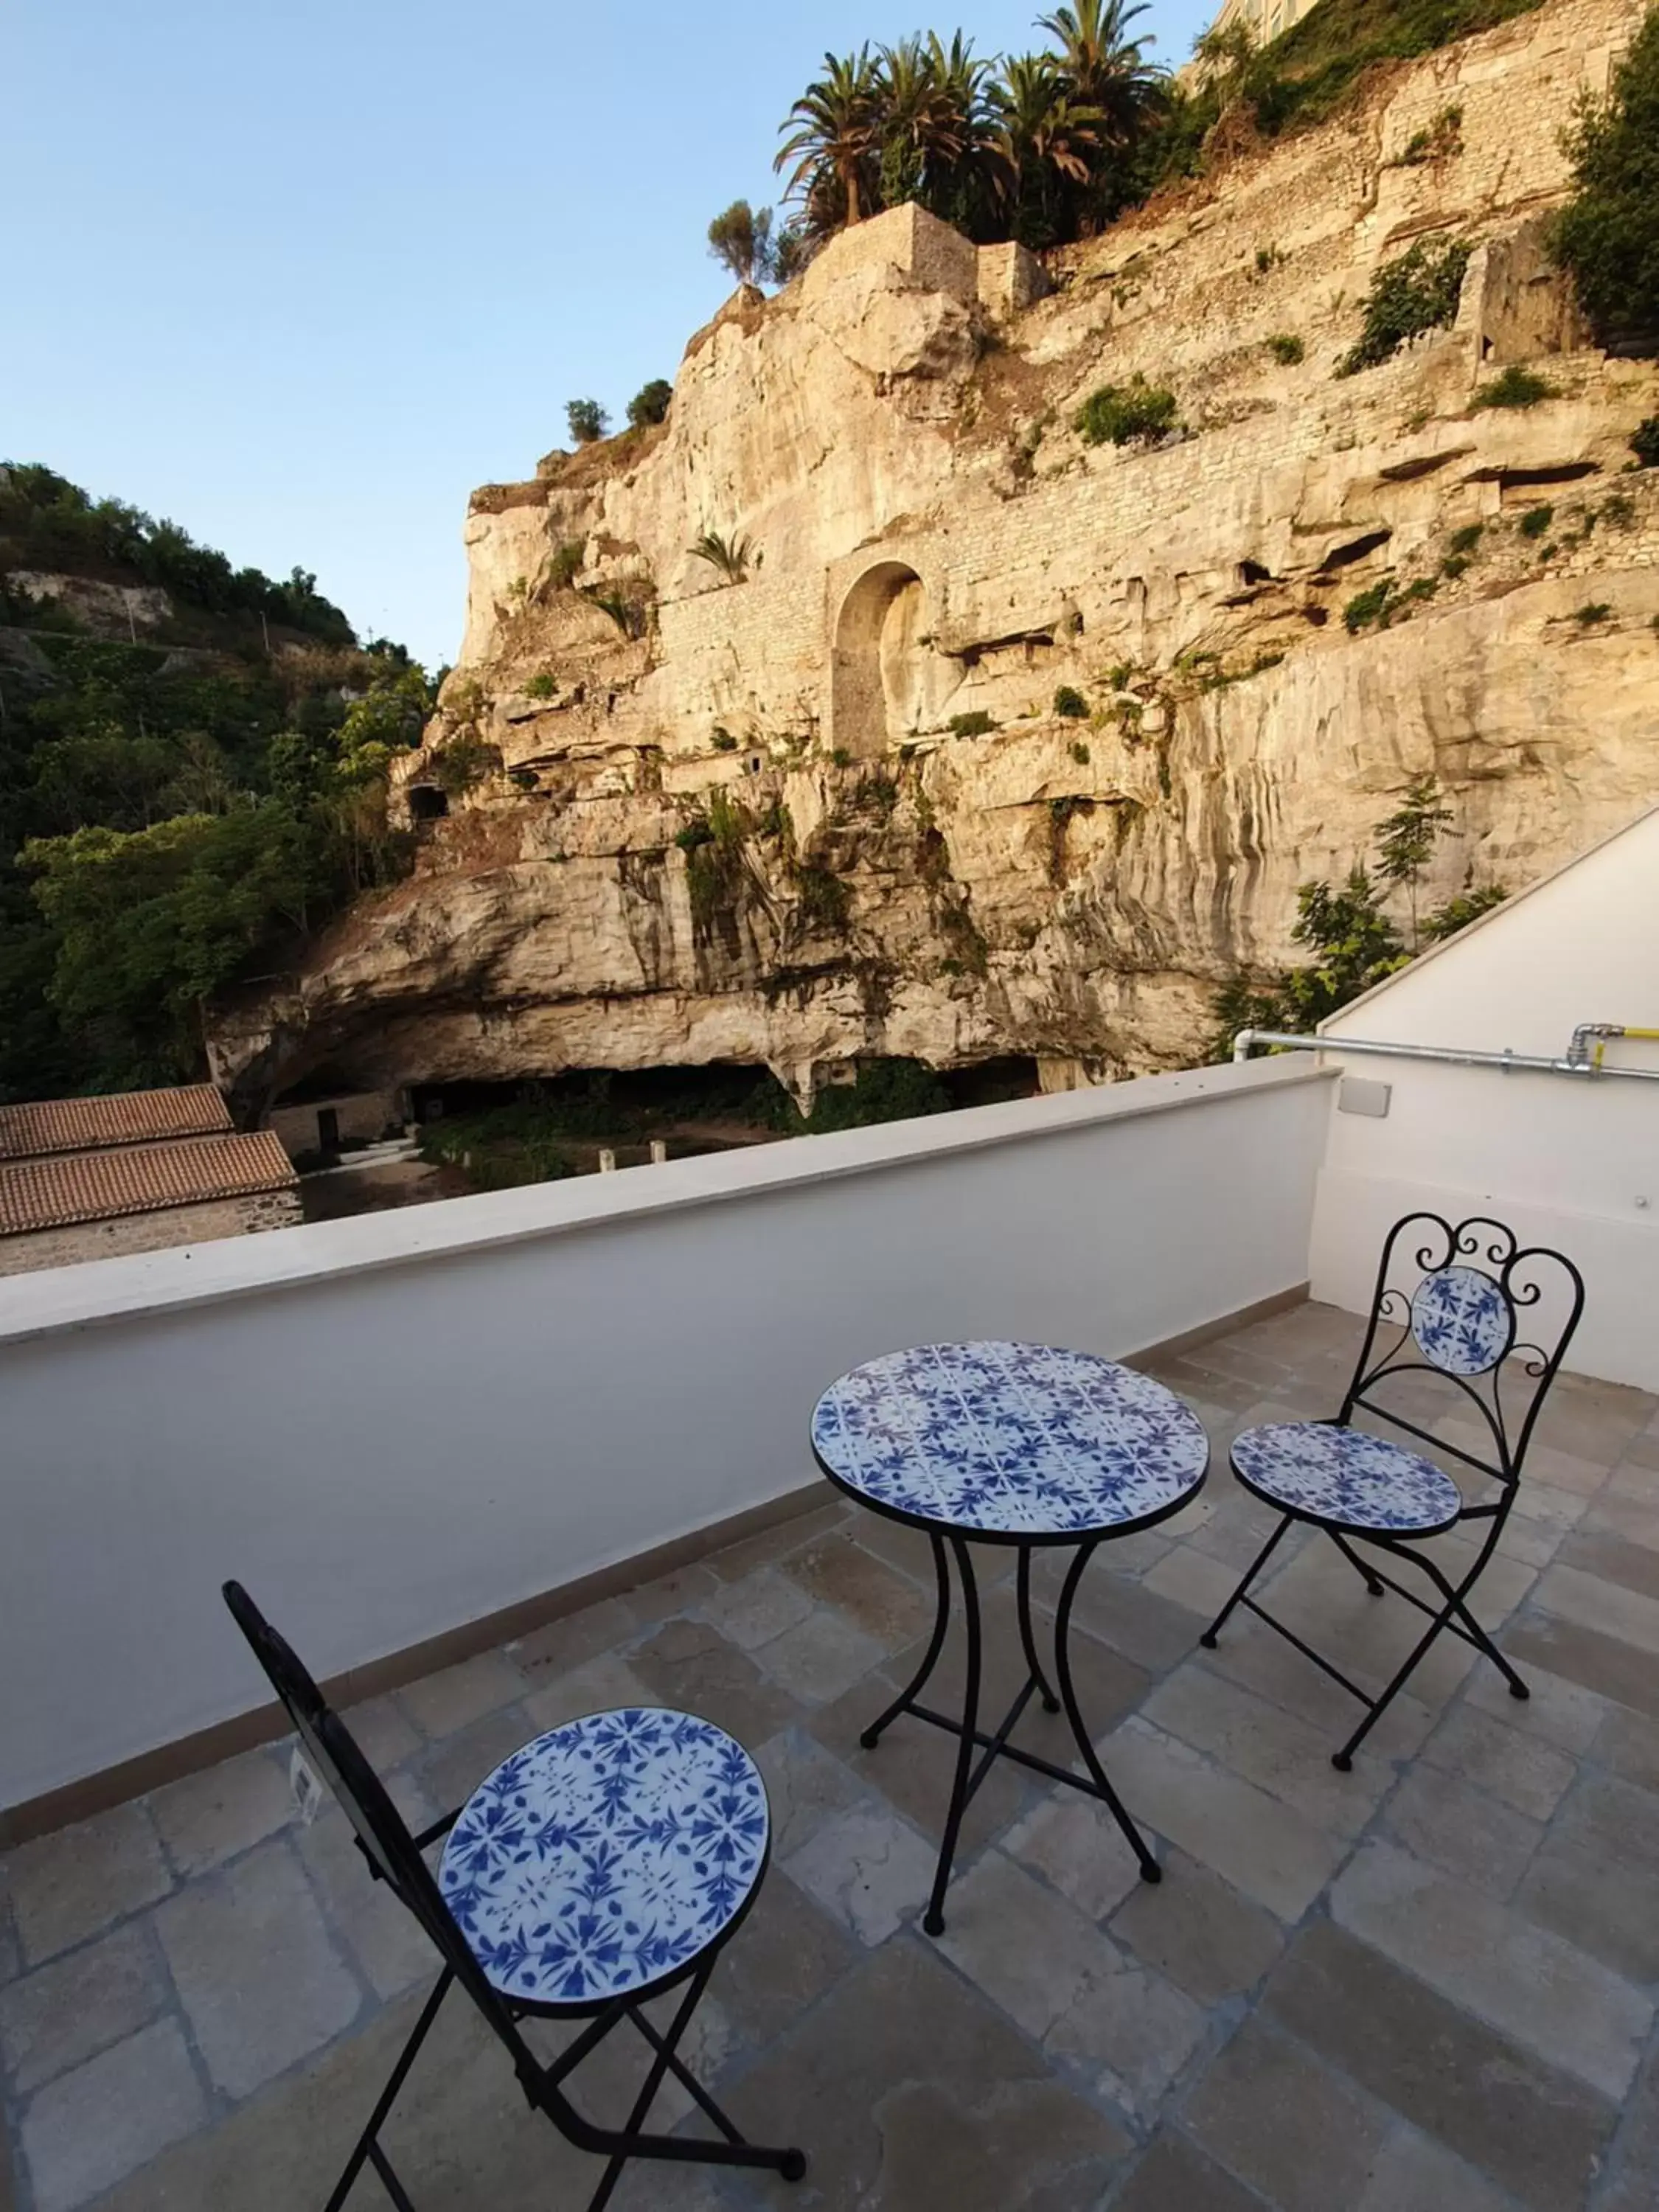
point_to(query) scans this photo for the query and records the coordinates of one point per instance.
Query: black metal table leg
(873, 1734)
(1150, 1869)
(1050, 1702)
(934, 1919)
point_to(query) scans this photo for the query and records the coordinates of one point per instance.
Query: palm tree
(730, 555)
(1045, 129)
(835, 142)
(1104, 67)
(917, 126)
(968, 170)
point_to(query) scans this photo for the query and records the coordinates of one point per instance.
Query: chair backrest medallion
(1468, 1303)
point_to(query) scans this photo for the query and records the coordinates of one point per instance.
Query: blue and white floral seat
(1357, 1482)
(606, 1863)
(606, 1855)
(1449, 1306)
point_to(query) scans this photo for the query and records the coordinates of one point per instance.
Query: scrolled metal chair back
(381, 1829)
(1471, 1306)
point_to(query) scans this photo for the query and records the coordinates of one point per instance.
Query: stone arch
(886, 680)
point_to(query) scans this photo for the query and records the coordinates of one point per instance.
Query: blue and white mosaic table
(1013, 1442)
(1022, 1445)
(604, 1858)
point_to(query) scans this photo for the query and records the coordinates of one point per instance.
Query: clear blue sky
(299, 277)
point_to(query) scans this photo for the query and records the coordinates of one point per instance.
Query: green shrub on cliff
(1608, 235)
(1125, 414)
(1516, 387)
(588, 421)
(1346, 927)
(1414, 294)
(651, 403)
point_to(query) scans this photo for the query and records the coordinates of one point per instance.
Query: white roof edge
(1493, 914)
(129, 1288)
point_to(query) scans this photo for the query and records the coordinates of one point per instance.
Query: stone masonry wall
(149, 1232)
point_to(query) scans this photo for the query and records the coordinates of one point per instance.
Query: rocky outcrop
(829, 809)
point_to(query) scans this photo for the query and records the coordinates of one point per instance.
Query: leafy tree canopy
(48, 523)
(1355, 943)
(173, 814)
(650, 404)
(588, 421)
(1049, 146)
(1608, 235)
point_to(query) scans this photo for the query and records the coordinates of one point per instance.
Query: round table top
(602, 1858)
(1016, 1443)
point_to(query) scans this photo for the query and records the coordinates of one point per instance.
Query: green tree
(792, 249)
(1416, 292)
(588, 421)
(1346, 927)
(1050, 143)
(1608, 235)
(834, 143)
(1407, 839)
(1104, 68)
(650, 404)
(151, 923)
(938, 128)
(740, 240)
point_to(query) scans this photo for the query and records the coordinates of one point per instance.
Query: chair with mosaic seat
(604, 1864)
(1452, 1304)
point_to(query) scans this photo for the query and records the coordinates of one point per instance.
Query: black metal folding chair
(605, 1863)
(1454, 1301)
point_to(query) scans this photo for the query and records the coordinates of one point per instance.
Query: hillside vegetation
(1049, 146)
(178, 807)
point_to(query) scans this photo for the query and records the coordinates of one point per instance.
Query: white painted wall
(1567, 1161)
(392, 1426)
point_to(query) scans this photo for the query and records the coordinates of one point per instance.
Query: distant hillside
(192, 772)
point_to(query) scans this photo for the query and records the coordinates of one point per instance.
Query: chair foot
(933, 1923)
(1341, 1761)
(871, 1738)
(792, 2166)
(1519, 1690)
(1151, 1871)
(1208, 1642)
(1050, 1704)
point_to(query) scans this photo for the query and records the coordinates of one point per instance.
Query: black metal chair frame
(966, 1731)
(1493, 1248)
(394, 1857)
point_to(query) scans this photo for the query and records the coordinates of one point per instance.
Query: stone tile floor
(1428, 1984)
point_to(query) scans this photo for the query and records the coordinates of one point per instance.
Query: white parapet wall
(391, 1427)
(1567, 1161)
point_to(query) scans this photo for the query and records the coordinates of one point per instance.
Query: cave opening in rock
(427, 803)
(1356, 549)
(993, 1081)
(690, 1110)
(696, 1110)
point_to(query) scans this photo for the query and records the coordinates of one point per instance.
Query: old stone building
(1265, 20)
(991, 741)
(91, 1178)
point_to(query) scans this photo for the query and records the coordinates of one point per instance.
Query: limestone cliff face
(734, 821)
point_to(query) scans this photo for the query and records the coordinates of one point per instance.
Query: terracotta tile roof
(138, 1179)
(128, 1117)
